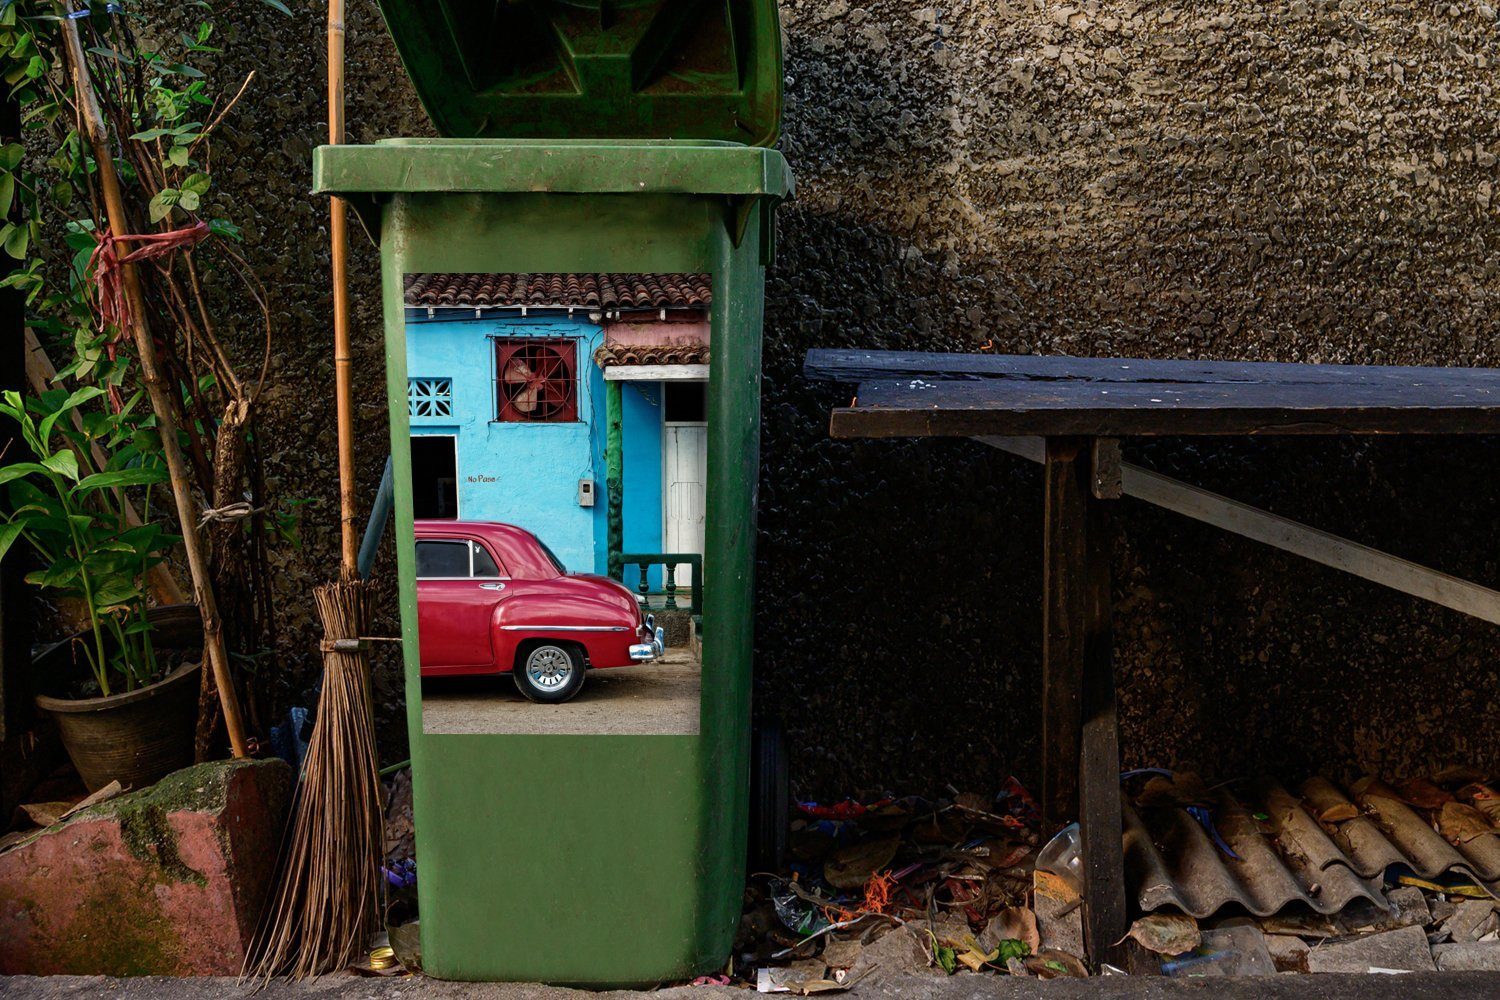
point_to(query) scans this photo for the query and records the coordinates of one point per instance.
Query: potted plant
(124, 703)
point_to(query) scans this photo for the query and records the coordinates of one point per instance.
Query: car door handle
(492, 586)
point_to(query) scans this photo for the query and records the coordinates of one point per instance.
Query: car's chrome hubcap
(549, 668)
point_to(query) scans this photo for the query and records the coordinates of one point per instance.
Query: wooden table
(1069, 414)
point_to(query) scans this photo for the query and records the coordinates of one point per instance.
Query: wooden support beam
(1064, 626)
(1033, 449)
(1105, 462)
(1080, 727)
(1312, 543)
(1290, 536)
(1100, 823)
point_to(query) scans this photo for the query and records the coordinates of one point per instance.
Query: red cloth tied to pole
(107, 265)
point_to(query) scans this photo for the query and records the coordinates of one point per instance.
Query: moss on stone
(116, 930)
(142, 815)
(150, 838)
(200, 787)
(123, 923)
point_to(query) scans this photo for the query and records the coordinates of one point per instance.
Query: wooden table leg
(1080, 736)
(1064, 586)
(1100, 823)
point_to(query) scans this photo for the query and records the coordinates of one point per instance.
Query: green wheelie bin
(572, 293)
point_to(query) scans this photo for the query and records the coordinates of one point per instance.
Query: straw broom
(327, 899)
(327, 896)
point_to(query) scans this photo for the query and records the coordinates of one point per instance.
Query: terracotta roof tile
(651, 354)
(584, 290)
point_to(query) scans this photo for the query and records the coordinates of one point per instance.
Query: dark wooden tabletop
(901, 394)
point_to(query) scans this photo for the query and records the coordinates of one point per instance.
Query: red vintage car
(492, 599)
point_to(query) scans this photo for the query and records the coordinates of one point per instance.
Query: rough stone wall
(263, 171)
(1298, 181)
(1280, 181)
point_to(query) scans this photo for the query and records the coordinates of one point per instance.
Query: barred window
(537, 380)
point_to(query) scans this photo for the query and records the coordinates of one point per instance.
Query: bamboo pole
(156, 388)
(338, 231)
(40, 372)
(327, 900)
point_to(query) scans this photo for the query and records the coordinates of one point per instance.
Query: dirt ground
(1422, 986)
(658, 698)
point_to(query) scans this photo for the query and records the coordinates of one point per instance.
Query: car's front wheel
(549, 672)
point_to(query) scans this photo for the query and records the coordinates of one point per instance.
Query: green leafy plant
(1008, 949)
(944, 955)
(78, 524)
(208, 313)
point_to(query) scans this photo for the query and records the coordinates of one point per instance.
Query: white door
(684, 492)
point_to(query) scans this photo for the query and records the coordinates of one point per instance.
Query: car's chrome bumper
(640, 652)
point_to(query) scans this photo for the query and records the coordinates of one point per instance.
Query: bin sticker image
(559, 442)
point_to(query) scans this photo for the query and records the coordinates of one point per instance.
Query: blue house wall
(642, 433)
(527, 473)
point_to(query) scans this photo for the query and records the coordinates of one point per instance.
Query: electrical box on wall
(585, 493)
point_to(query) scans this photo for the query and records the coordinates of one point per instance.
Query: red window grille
(536, 380)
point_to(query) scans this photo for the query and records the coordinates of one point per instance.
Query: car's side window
(484, 563)
(442, 560)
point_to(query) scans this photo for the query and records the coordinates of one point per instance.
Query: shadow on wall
(1279, 181)
(1006, 198)
(899, 582)
(1238, 659)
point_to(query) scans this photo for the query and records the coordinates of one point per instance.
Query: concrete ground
(1289, 986)
(659, 698)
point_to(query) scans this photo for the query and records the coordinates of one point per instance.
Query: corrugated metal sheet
(1289, 856)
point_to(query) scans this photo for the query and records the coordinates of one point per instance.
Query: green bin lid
(641, 69)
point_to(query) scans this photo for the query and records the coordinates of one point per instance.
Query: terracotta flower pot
(136, 737)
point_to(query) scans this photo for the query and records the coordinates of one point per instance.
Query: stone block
(1402, 950)
(166, 881)
(1472, 920)
(1288, 953)
(1471, 956)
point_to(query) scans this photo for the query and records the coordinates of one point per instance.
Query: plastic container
(597, 860)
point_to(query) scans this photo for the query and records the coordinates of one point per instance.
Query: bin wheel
(549, 672)
(770, 794)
